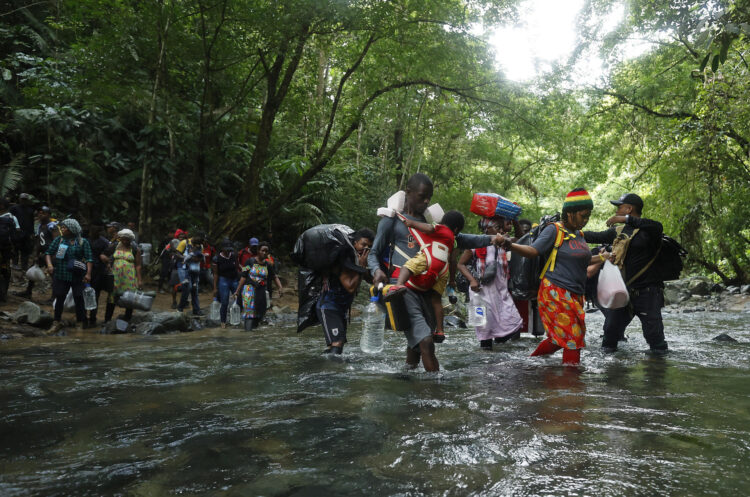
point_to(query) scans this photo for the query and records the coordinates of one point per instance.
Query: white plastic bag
(35, 274)
(70, 303)
(611, 291)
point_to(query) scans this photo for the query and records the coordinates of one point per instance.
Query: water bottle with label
(477, 311)
(373, 328)
(89, 298)
(214, 313)
(234, 314)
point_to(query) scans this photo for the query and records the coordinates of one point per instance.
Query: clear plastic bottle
(373, 328)
(477, 311)
(89, 298)
(214, 313)
(234, 314)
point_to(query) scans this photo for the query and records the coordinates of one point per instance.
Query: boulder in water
(718, 288)
(149, 329)
(30, 313)
(733, 290)
(723, 338)
(116, 327)
(172, 321)
(453, 322)
(699, 286)
(195, 325)
(745, 289)
(675, 294)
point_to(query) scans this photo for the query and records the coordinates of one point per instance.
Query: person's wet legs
(615, 322)
(427, 354)
(647, 306)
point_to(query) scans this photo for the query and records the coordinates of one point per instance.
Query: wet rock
(149, 329)
(453, 322)
(142, 317)
(172, 321)
(745, 289)
(723, 338)
(195, 325)
(212, 323)
(30, 313)
(116, 327)
(699, 286)
(733, 290)
(675, 294)
(718, 288)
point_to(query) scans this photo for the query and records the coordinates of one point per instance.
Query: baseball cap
(628, 198)
(254, 241)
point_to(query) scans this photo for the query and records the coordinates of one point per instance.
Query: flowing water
(234, 413)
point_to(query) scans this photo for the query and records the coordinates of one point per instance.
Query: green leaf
(715, 64)
(724, 48)
(705, 61)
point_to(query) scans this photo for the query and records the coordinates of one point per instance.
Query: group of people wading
(570, 261)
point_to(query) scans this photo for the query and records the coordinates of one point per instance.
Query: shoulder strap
(645, 268)
(560, 237)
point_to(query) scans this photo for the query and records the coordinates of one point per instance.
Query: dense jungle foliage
(266, 117)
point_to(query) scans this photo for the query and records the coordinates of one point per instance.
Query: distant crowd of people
(108, 258)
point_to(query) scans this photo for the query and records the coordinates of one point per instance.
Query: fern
(10, 175)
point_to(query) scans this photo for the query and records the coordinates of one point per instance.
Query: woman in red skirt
(563, 278)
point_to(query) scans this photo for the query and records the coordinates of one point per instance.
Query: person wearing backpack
(73, 263)
(10, 235)
(635, 244)
(563, 277)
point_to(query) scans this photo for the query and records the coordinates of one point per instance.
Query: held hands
(616, 220)
(474, 285)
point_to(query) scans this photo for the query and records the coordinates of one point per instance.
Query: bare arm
(418, 225)
(596, 263)
(350, 280)
(465, 258)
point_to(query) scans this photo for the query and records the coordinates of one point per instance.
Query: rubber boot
(545, 347)
(571, 357)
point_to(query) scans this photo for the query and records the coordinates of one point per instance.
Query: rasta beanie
(578, 199)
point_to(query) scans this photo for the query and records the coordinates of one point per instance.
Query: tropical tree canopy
(247, 117)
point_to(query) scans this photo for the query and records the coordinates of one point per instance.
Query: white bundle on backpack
(611, 291)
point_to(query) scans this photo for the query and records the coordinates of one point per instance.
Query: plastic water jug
(373, 328)
(214, 313)
(89, 298)
(477, 311)
(234, 314)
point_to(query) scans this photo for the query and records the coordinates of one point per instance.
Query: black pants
(646, 303)
(60, 291)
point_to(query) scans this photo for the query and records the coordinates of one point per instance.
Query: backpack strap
(561, 236)
(645, 268)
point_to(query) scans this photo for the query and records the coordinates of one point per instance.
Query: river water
(233, 413)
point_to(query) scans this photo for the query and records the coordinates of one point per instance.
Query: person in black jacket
(645, 287)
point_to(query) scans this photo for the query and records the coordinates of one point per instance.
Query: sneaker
(393, 292)
(55, 328)
(660, 352)
(438, 337)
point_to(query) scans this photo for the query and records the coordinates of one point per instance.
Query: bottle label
(61, 250)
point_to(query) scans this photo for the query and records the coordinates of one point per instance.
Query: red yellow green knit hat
(578, 199)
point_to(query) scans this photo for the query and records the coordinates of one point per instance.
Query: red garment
(437, 246)
(208, 255)
(244, 256)
(562, 315)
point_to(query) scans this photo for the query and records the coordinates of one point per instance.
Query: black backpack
(667, 262)
(524, 272)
